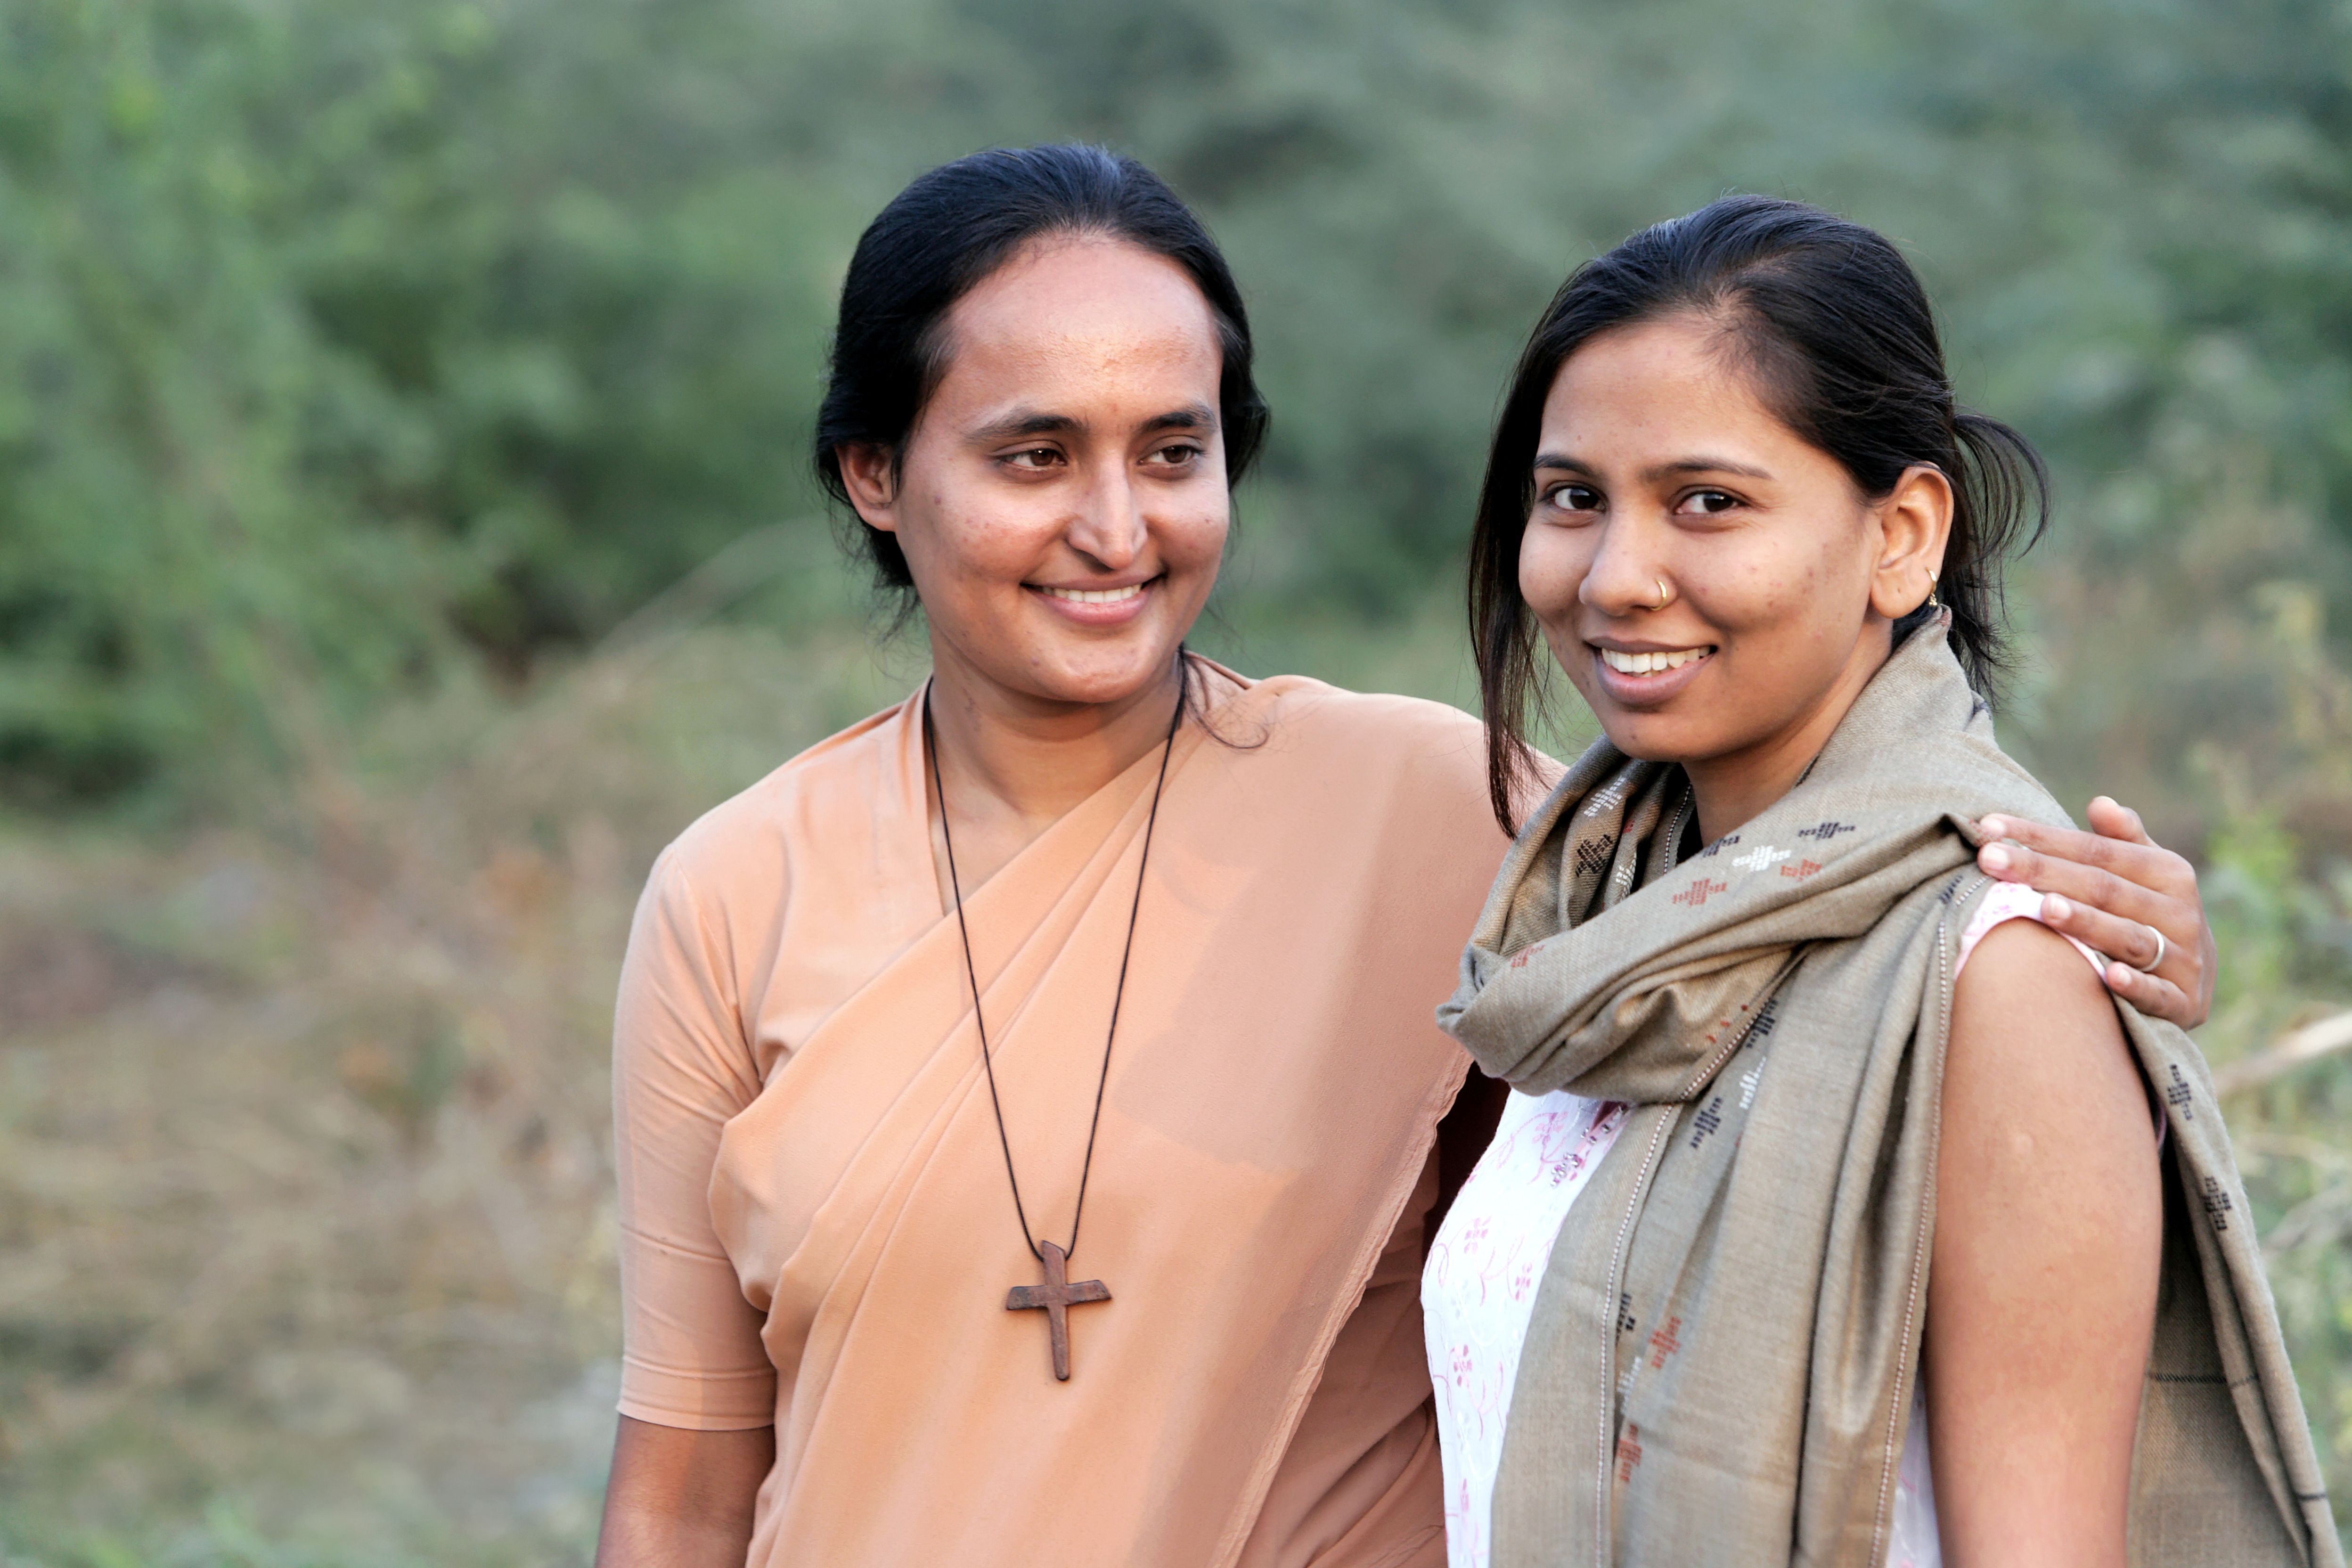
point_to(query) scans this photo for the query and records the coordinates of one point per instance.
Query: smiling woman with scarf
(1808, 1120)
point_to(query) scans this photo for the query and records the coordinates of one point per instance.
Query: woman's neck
(1736, 787)
(1010, 764)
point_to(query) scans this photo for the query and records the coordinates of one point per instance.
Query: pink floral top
(1478, 1289)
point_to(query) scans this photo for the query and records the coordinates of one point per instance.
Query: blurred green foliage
(339, 341)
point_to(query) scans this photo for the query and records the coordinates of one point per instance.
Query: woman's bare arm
(2042, 1297)
(680, 1498)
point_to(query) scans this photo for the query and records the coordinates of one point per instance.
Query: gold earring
(1661, 595)
(1932, 602)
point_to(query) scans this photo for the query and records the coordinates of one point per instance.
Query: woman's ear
(1914, 523)
(870, 473)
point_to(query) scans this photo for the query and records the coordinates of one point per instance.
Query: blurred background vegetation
(405, 531)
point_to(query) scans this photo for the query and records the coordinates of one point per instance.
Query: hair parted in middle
(1836, 333)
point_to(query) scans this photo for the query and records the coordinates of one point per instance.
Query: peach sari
(816, 1228)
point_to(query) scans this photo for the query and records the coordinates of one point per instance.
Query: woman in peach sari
(1028, 1102)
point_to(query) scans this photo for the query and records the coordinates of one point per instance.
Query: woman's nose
(1109, 526)
(1624, 578)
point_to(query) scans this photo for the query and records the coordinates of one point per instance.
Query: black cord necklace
(1058, 1293)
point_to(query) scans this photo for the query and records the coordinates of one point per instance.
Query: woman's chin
(1089, 680)
(1644, 749)
(1650, 736)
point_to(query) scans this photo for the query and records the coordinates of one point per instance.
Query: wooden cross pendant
(1056, 1296)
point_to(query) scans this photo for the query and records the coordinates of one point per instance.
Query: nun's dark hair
(1833, 325)
(943, 234)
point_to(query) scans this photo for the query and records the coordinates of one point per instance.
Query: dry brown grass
(305, 1211)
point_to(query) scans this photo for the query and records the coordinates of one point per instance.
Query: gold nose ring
(1661, 595)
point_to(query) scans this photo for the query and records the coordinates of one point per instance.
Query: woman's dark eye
(1036, 457)
(1177, 456)
(1575, 498)
(1708, 502)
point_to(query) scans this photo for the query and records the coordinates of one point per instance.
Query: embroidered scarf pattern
(1723, 1351)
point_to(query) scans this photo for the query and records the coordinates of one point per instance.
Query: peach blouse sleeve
(691, 1354)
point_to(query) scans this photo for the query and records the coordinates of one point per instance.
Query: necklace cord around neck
(971, 971)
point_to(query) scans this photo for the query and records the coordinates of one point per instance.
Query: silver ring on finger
(2149, 967)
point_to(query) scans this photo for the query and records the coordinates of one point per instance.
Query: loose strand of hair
(2004, 508)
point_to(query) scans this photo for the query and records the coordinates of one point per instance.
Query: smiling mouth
(1094, 595)
(1651, 663)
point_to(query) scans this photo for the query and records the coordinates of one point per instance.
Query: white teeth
(1649, 663)
(1094, 595)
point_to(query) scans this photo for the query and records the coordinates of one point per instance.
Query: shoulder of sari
(1425, 759)
(1375, 722)
(854, 778)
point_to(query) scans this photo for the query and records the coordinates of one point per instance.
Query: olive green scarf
(1720, 1364)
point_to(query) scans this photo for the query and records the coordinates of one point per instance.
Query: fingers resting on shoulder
(2121, 893)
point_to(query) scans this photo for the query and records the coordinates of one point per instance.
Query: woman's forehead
(1075, 311)
(1659, 383)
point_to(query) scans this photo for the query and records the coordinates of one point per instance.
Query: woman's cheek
(1001, 546)
(1552, 570)
(1755, 596)
(1200, 544)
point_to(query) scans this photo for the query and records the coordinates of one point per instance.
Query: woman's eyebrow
(1680, 466)
(1023, 422)
(1027, 422)
(1191, 417)
(1702, 465)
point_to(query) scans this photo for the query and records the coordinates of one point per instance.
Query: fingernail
(1994, 827)
(1993, 857)
(2054, 908)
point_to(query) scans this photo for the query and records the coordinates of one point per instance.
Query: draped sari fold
(796, 1028)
